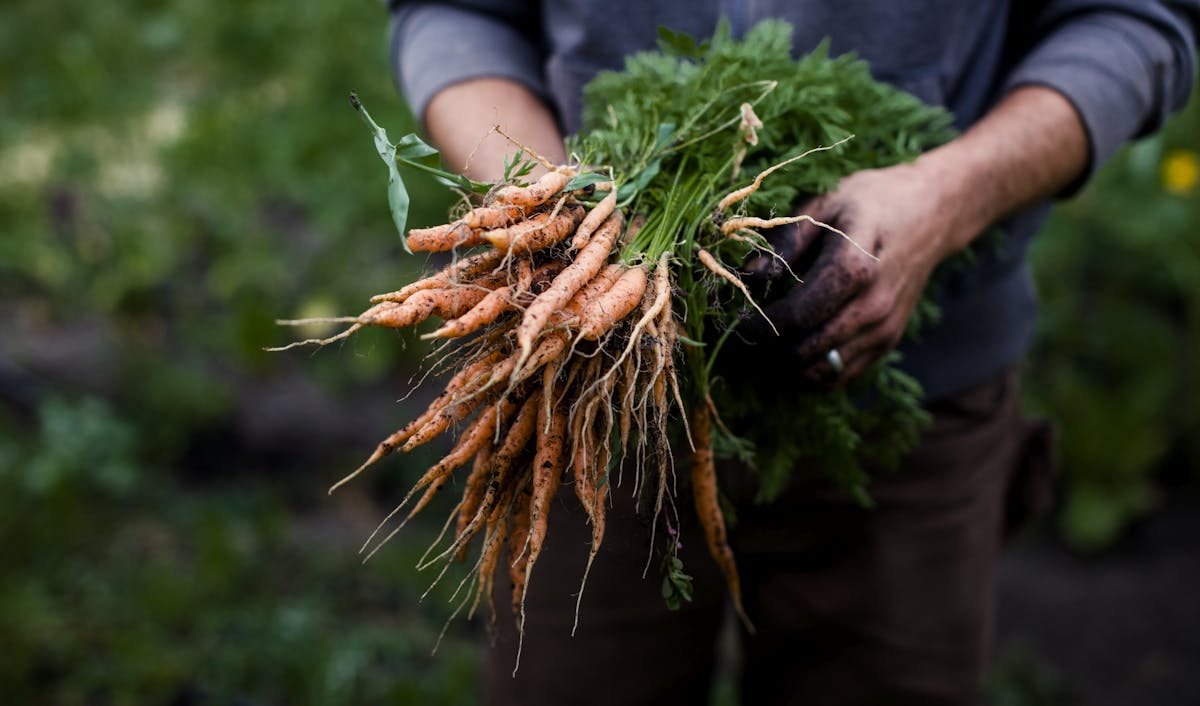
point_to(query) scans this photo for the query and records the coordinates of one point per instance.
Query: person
(891, 605)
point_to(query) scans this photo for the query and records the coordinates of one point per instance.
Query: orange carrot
(537, 233)
(594, 218)
(468, 445)
(547, 473)
(614, 305)
(444, 303)
(569, 281)
(450, 414)
(739, 194)
(469, 376)
(706, 258)
(708, 507)
(594, 289)
(463, 270)
(548, 350)
(473, 491)
(495, 532)
(535, 194)
(519, 433)
(488, 217)
(518, 538)
(443, 237)
(485, 312)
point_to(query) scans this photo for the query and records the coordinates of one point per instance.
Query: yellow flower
(1180, 171)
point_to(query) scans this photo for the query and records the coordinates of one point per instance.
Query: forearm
(460, 119)
(1029, 147)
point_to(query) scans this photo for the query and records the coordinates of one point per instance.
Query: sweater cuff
(435, 46)
(1112, 69)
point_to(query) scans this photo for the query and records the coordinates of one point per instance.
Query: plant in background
(1114, 359)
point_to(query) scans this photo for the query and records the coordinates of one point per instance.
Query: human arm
(1041, 139)
(911, 217)
(461, 117)
(467, 67)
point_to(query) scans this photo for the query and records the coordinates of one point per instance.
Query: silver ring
(835, 360)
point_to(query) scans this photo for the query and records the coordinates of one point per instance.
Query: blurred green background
(175, 177)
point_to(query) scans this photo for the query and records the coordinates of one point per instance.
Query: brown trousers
(891, 605)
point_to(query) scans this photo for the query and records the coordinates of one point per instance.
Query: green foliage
(697, 91)
(117, 587)
(172, 179)
(1018, 678)
(876, 421)
(187, 176)
(1115, 357)
(676, 585)
(670, 126)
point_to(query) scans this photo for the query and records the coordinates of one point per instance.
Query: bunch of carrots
(584, 309)
(564, 347)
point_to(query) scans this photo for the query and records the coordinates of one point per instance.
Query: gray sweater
(1124, 65)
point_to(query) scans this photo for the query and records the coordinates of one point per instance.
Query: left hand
(851, 301)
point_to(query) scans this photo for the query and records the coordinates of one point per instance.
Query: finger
(834, 282)
(862, 362)
(792, 242)
(789, 244)
(858, 353)
(850, 344)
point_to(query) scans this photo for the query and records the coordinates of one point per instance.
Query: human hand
(856, 297)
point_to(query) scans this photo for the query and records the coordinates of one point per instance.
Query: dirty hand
(852, 301)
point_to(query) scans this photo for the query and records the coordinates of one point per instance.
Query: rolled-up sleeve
(1125, 66)
(435, 45)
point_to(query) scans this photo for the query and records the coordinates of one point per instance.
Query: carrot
(593, 492)
(535, 194)
(469, 443)
(628, 387)
(707, 259)
(465, 269)
(473, 491)
(444, 303)
(450, 414)
(569, 281)
(518, 538)
(519, 434)
(537, 233)
(739, 194)
(615, 304)
(488, 217)
(524, 273)
(466, 377)
(733, 225)
(495, 532)
(548, 465)
(548, 350)
(593, 219)
(708, 507)
(495, 303)
(502, 238)
(443, 237)
(662, 293)
(596, 287)
(580, 471)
